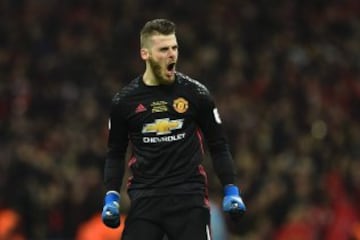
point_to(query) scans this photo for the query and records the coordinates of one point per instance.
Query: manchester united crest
(180, 105)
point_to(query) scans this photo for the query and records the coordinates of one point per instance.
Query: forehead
(160, 40)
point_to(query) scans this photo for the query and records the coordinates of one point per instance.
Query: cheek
(161, 60)
(160, 57)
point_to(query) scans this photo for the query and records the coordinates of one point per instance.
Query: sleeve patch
(217, 115)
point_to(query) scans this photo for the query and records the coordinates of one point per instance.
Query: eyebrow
(167, 47)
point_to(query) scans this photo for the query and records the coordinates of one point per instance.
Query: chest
(159, 113)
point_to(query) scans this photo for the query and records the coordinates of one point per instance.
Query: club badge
(180, 105)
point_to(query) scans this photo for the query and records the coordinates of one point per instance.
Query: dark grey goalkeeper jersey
(165, 127)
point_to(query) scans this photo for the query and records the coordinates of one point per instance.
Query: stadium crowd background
(285, 75)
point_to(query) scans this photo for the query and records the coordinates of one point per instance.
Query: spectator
(285, 76)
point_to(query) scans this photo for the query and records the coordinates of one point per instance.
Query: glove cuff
(231, 190)
(112, 196)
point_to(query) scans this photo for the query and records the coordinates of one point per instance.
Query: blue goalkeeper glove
(232, 203)
(111, 210)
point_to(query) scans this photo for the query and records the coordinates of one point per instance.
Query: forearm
(114, 171)
(223, 163)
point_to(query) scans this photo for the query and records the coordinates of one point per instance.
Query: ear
(144, 53)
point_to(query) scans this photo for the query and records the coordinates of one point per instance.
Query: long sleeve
(117, 146)
(211, 127)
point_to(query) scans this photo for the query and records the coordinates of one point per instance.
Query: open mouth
(171, 67)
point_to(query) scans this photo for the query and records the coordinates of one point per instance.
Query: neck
(149, 78)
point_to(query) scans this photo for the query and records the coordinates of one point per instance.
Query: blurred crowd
(285, 75)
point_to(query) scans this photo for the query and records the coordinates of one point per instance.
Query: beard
(156, 69)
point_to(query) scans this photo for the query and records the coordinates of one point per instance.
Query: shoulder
(126, 91)
(191, 83)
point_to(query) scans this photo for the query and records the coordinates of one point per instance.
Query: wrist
(112, 196)
(231, 190)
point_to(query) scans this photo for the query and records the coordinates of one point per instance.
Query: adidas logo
(140, 108)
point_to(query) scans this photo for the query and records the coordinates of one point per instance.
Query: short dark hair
(156, 26)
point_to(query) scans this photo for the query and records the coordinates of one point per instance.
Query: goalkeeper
(168, 119)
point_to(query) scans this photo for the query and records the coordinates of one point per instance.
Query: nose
(172, 53)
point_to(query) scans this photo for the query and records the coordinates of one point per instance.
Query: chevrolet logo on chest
(162, 126)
